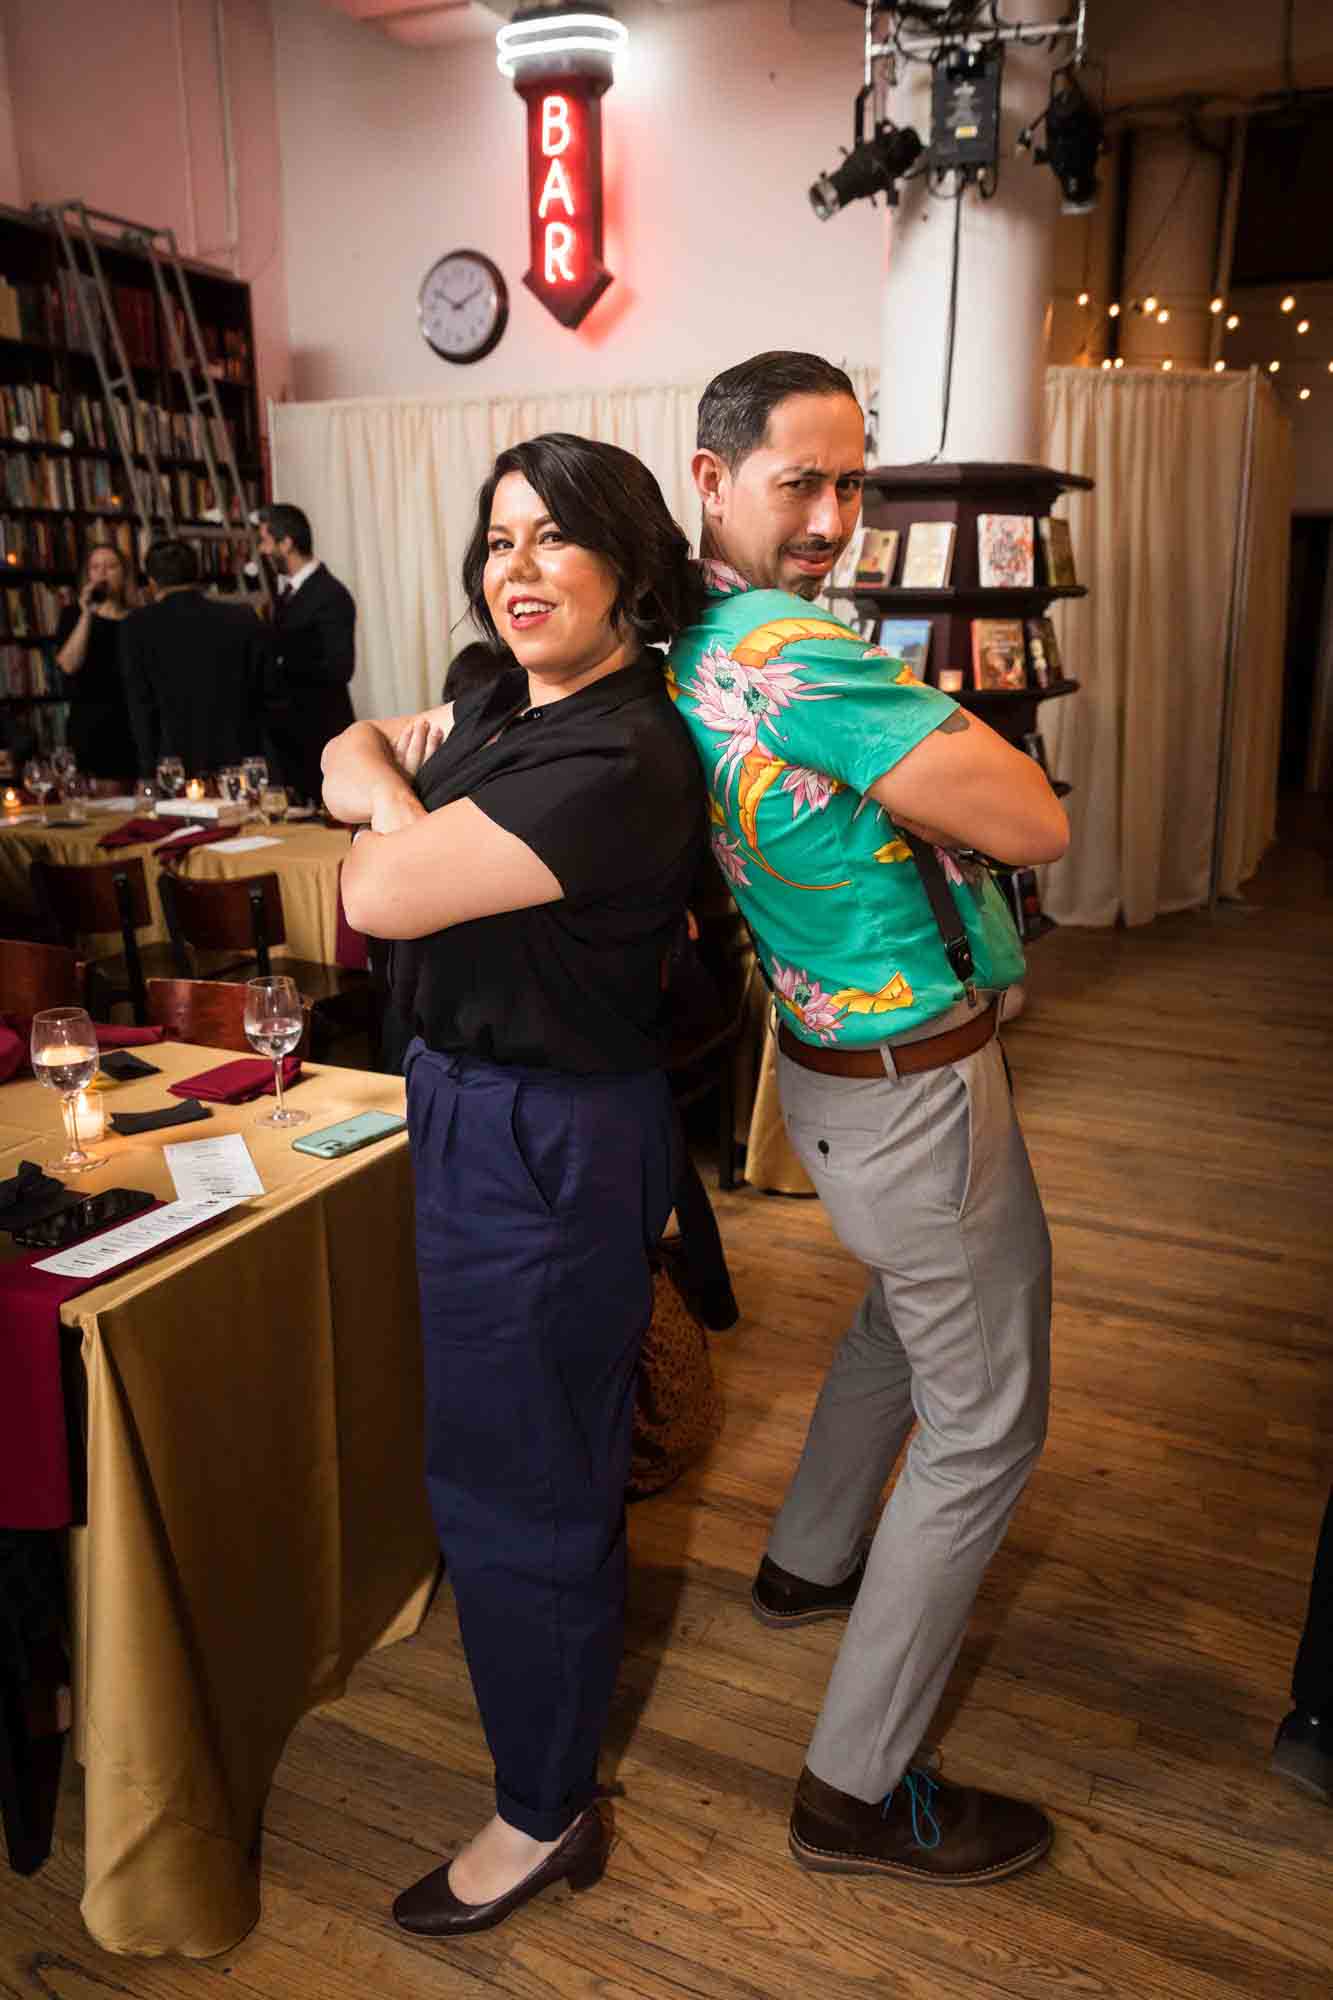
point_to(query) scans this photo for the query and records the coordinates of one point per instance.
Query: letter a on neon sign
(557, 188)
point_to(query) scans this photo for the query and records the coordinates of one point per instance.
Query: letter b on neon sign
(555, 126)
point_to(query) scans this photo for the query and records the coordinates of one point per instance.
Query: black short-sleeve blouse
(606, 788)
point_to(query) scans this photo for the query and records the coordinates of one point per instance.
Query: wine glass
(65, 765)
(254, 771)
(170, 777)
(75, 789)
(38, 777)
(274, 1023)
(145, 798)
(273, 803)
(64, 1058)
(231, 784)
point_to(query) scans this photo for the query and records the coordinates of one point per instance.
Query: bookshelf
(61, 474)
(899, 495)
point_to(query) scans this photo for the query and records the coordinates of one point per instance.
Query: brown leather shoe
(926, 1829)
(431, 1909)
(779, 1598)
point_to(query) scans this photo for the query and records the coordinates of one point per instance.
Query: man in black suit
(314, 632)
(195, 670)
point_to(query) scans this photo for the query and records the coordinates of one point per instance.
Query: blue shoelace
(921, 1790)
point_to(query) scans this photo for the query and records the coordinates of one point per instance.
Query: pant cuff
(541, 1823)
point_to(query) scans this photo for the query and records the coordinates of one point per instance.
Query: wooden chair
(244, 915)
(79, 899)
(208, 1011)
(33, 976)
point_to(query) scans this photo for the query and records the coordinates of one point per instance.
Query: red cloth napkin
(132, 831)
(13, 1053)
(109, 1036)
(201, 837)
(349, 950)
(237, 1082)
(15, 1032)
(138, 831)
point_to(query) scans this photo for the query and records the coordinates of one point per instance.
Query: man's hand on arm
(964, 786)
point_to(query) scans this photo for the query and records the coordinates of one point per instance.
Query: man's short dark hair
(606, 500)
(735, 407)
(283, 521)
(475, 667)
(171, 564)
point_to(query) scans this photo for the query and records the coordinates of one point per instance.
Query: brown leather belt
(909, 1060)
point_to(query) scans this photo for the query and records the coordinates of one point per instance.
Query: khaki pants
(926, 1179)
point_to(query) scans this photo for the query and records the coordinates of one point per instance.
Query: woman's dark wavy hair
(603, 499)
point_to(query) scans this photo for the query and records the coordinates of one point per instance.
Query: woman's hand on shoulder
(420, 737)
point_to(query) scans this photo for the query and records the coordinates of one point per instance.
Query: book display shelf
(62, 481)
(967, 498)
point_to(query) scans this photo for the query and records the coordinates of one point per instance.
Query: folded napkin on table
(238, 1082)
(13, 1053)
(30, 1196)
(129, 1123)
(133, 832)
(139, 831)
(109, 1036)
(16, 1028)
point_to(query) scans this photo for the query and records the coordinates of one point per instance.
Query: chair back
(33, 976)
(82, 897)
(243, 914)
(208, 1011)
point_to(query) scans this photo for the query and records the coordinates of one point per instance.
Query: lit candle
(13, 803)
(195, 789)
(90, 1116)
(951, 680)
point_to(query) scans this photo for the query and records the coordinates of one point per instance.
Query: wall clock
(463, 306)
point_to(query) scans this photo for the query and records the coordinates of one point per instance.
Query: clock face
(463, 305)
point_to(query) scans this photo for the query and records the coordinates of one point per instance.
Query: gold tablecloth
(305, 859)
(256, 1508)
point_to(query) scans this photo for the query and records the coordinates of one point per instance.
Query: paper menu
(213, 1169)
(134, 1239)
(245, 843)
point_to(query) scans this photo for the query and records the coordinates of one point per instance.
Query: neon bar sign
(565, 270)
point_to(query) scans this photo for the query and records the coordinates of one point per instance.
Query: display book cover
(929, 558)
(1058, 550)
(999, 655)
(906, 639)
(1004, 551)
(1045, 666)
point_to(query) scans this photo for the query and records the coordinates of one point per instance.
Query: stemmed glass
(254, 771)
(64, 1058)
(39, 777)
(231, 784)
(274, 1023)
(145, 798)
(65, 765)
(273, 804)
(171, 777)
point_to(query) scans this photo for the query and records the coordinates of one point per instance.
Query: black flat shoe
(431, 1909)
(780, 1599)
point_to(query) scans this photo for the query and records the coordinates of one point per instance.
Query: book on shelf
(879, 556)
(999, 662)
(929, 559)
(1034, 743)
(27, 670)
(31, 610)
(1044, 664)
(38, 542)
(1004, 551)
(1058, 550)
(842, 577)
(908, 640)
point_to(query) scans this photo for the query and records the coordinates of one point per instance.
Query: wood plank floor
(1130, 1653)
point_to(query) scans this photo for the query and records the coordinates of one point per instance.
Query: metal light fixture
(874, 166)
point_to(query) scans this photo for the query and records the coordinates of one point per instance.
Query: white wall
(718, 121)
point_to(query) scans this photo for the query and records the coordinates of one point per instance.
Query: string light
(1218, 366)
(1150, 303)
(1120, 361)
(1163, 316)
(1273, 367)
(1330, 367)
(1305, 395)
(1302, 326)
(1288, 304)
(1083, 298)
(1113, 310)
(1105, 364)
(1167, 366)
(1216, 305)
(1233, 321)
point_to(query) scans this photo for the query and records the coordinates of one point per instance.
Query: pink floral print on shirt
(805, 999)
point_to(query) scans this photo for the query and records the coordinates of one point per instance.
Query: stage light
(1216, 305)
(874, 166)
(1233, 321)
(1075, 137)
(1289, 302)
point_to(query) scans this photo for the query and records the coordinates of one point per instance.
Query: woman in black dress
(87, 643)
(534, 876)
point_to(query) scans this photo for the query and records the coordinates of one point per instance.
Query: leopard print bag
(677, 1409)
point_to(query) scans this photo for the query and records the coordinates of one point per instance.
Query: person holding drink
(87, 648)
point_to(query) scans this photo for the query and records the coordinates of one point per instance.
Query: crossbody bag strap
(952, 930)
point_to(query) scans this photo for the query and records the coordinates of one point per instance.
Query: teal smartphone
(348, 1137)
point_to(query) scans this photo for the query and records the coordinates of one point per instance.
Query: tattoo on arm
(952, 725)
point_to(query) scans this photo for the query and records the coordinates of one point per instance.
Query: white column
(1006, 255)
(1171, 229)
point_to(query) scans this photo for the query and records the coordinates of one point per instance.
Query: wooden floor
(1130, 1652)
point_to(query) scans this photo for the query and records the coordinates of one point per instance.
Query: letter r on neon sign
(555, 126)
(559, 248)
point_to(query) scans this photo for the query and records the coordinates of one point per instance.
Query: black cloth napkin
(30, 1196)
(128, 1123)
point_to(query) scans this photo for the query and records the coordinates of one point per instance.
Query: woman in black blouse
(534, 875)
(87, 643)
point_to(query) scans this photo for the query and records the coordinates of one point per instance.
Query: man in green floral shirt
(823, 754)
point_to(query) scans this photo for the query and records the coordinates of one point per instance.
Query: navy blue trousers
(538, 1199)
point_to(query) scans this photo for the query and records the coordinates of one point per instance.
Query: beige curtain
(1157, 541)
(391, 485)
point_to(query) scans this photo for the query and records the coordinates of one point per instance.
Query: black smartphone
(120, 1064)
(95, 1211)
